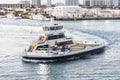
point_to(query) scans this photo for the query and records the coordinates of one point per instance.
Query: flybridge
(53, 28)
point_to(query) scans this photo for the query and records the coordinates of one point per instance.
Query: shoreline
(68, 19)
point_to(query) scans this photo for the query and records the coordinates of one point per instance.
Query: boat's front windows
(52, 28)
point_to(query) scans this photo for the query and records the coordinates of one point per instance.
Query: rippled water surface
(15, 35)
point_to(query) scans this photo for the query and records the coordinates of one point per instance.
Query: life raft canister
(31, 47)
(42, 36)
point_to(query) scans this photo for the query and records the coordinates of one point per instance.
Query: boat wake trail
(81, 36)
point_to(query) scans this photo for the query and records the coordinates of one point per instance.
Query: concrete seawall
(107, 18)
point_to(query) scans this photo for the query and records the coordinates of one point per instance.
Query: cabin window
(61, 36)
(65, 43)
(60, 27)
(56, 36)
(43, 46)
(46, 29)
(52, 28)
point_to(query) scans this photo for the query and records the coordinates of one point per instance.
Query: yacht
(12, 16)
(54, 45)
(2, 16)
(39, 17)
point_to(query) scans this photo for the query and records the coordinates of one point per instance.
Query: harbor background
(61, 10)
(15, 35)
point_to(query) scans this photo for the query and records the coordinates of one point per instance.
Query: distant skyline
(43, 1)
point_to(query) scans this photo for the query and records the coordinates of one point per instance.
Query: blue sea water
(15, 36)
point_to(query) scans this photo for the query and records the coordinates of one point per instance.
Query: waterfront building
(71, 2)
(20, 5)
(100, 3)
(87, 2)
(105, 13)
(118, 2)
(49, 10)
(36, 3)
(49, 3)
(67, 12)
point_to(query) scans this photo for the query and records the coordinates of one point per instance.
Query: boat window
(69, 42)
(51, 37)
(42, 46)
(60, 27)
(52, 28)
(61, 36)
(65, 43)
(46, 29)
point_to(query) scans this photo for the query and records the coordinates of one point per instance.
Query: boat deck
(77, 48)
